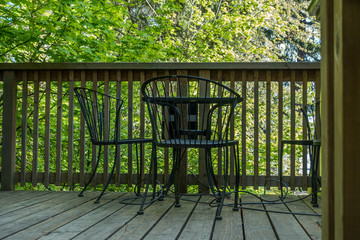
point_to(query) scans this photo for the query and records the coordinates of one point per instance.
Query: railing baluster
(304, 130)
(268, 125)
(317, 99)
(220, 152)
(244, 182)
(184, 161)
(232, 134)
(35, 130)
(47, 130)
(106, 128)
(94, 148)
(8, 155)
(280, 113)
(166, 150)
(130, 126)
(292, 127)
(203, 111)
(82, 137)
(59, 128)
(24, 127)
(142, 129)
(118, 152)
(256, 129)
(70, 179)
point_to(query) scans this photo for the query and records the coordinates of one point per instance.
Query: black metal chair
(193, 112)
(102, 116)
(311, 117)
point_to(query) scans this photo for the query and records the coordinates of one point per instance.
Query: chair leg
(109, 179)
(106, 186)
(174, 176)
(177, 177)
(171, 179)
(139, 165)
(237, 176)
(226, 172)
(315, 175)
(209, 170)
(281, 168)
(152, 162)
(92, 175)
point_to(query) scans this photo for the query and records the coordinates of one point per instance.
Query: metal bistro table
(194, 112)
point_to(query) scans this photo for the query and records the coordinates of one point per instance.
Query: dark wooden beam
(9, 132)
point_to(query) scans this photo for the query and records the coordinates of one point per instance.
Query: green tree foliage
(157, 30)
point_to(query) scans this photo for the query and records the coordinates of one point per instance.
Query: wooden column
(183, 172)
(203, 111)
(327, 117)
(9, 132)
(346, 119)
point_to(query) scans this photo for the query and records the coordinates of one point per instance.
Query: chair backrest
(189, 107)
(311, 114)
(102, 115)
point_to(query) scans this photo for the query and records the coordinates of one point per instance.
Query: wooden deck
(63, 215)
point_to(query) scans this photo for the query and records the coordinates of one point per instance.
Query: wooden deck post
(346, 119)
(327, 117)
(9, 132)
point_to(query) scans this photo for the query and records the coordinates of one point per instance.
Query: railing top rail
(162, 66)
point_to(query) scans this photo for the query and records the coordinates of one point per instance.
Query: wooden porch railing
(44, 139)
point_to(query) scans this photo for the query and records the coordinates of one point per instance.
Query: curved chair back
(189, 110)
(102, 115)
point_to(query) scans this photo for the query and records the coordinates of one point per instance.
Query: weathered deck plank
(230, 227)
(256, 223)
(112, 218)
(107, 205)
(36, 214)
(201, 222)
(17, 214)
(63, 215)
(309, 204)
(286, 225)
(310, 223)
(141, 224)
(25, 201)
(171, 224)
(52, 224)
(12, 197)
